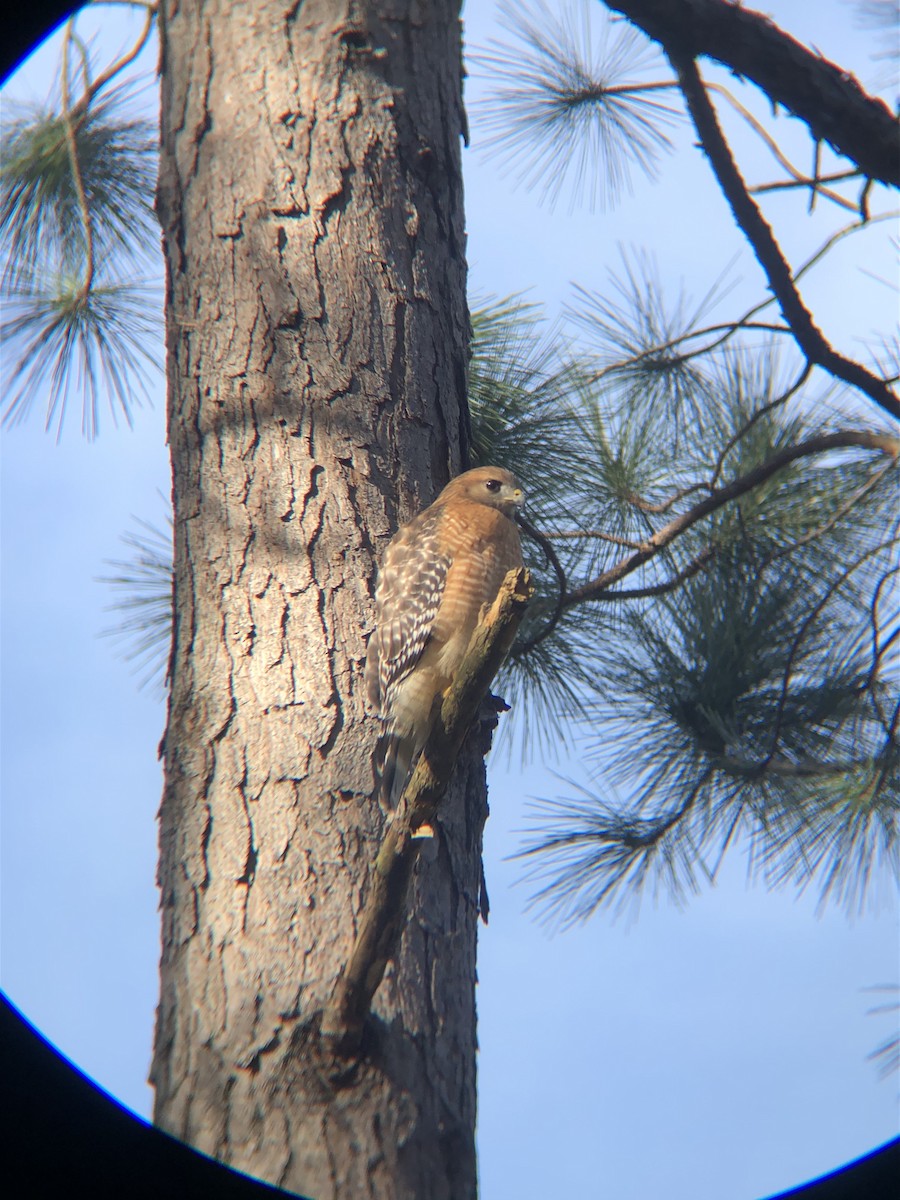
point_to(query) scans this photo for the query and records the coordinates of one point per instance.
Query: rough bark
(311, 205)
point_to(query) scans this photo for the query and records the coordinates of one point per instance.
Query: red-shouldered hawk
(439, 571)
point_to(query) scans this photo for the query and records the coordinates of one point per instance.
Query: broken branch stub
(384, 914)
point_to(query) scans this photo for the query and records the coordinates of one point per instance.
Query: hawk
(439, 572)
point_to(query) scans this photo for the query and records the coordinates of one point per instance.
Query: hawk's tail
(392, 761)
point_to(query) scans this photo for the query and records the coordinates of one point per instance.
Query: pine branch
(719, 496)
(816, 184)
(827, 99)
(76, 188)
(808, 336)
(384, 915)
(716, 335)
(569, 105)
(586, 852)
(668, 585)
(143, 586)
(69, 122)
(120, 63)
(812, 616)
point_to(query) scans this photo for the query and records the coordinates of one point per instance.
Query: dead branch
(816, 184)
(385, 912)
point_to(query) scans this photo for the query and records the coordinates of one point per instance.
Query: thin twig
(757, 416)
(572, 535)
(815, 187)
(821, 444)
(854, 227)
(69, 120)
(121, 63)
(73, 114)
(804, 181)
(553, 559)
(830, 101)
(668, 585)
(662, 506)
(797, 177)
(808, 336)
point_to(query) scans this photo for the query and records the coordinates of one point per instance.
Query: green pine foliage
(750, 702)
(39, 206)
(142, 586)
(80, 251)
(717, 612)
(711, 524)
(574, 109)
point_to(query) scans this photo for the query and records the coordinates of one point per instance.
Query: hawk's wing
(410, 587)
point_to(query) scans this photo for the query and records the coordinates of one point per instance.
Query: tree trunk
(311, 204)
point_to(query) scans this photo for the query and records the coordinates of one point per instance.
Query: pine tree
(714, 547)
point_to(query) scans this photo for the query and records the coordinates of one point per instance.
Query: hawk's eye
(493, 485)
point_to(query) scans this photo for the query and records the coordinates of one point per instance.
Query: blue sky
(720, 1048)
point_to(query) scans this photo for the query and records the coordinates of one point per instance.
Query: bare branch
(798, 179)
(803, 181)
(92, 88)
(668, 585)
(645, 506)
(573, 535)
(830, 101)
(69, 121)
(808, 336)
